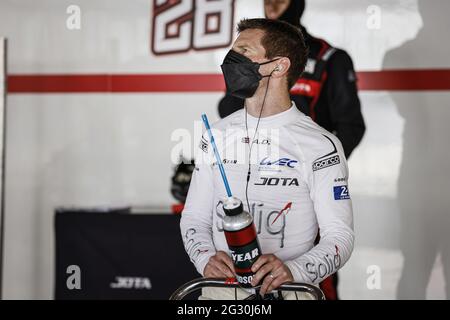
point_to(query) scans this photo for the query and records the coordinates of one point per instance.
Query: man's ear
(282, 68)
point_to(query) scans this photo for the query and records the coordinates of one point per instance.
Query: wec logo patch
(282, 162)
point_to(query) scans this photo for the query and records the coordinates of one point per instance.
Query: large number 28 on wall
(181, 25)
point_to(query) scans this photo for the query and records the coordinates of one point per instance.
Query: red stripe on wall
(97, 83)
(402, 80)
(405, 80)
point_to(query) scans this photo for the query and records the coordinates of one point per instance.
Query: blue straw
(219, 161)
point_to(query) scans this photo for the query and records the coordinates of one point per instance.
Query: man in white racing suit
(290, 173)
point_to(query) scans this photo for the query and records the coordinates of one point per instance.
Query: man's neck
(276, 102)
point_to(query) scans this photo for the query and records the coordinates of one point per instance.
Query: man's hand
(219, 266)
(276, 271)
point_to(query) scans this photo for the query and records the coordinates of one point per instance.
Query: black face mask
(241, 74)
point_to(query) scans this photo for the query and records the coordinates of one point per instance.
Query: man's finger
(222, 271)
(265, 269)
(222, 264)
(266, 283)
(225, 269)
(226, 259)
(216, 273)
(212, 272)
(280, 276)
(262, 260)
(276, 283)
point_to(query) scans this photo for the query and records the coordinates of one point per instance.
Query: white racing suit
(298, 185)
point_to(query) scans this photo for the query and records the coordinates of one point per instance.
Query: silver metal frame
(199, 283)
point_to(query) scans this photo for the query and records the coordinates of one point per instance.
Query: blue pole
(216, 153)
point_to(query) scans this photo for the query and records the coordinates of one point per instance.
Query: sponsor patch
(204, 145)
(325, 163)
(256, 141)
(310, 65)
(282, 162)
(226, 161)
(277, 181)
(341, 193)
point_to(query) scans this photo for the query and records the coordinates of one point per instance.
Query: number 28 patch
(341, 193)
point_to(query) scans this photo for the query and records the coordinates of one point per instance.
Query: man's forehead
(249, 38)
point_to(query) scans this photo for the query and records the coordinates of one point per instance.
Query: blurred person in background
(326, 92)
